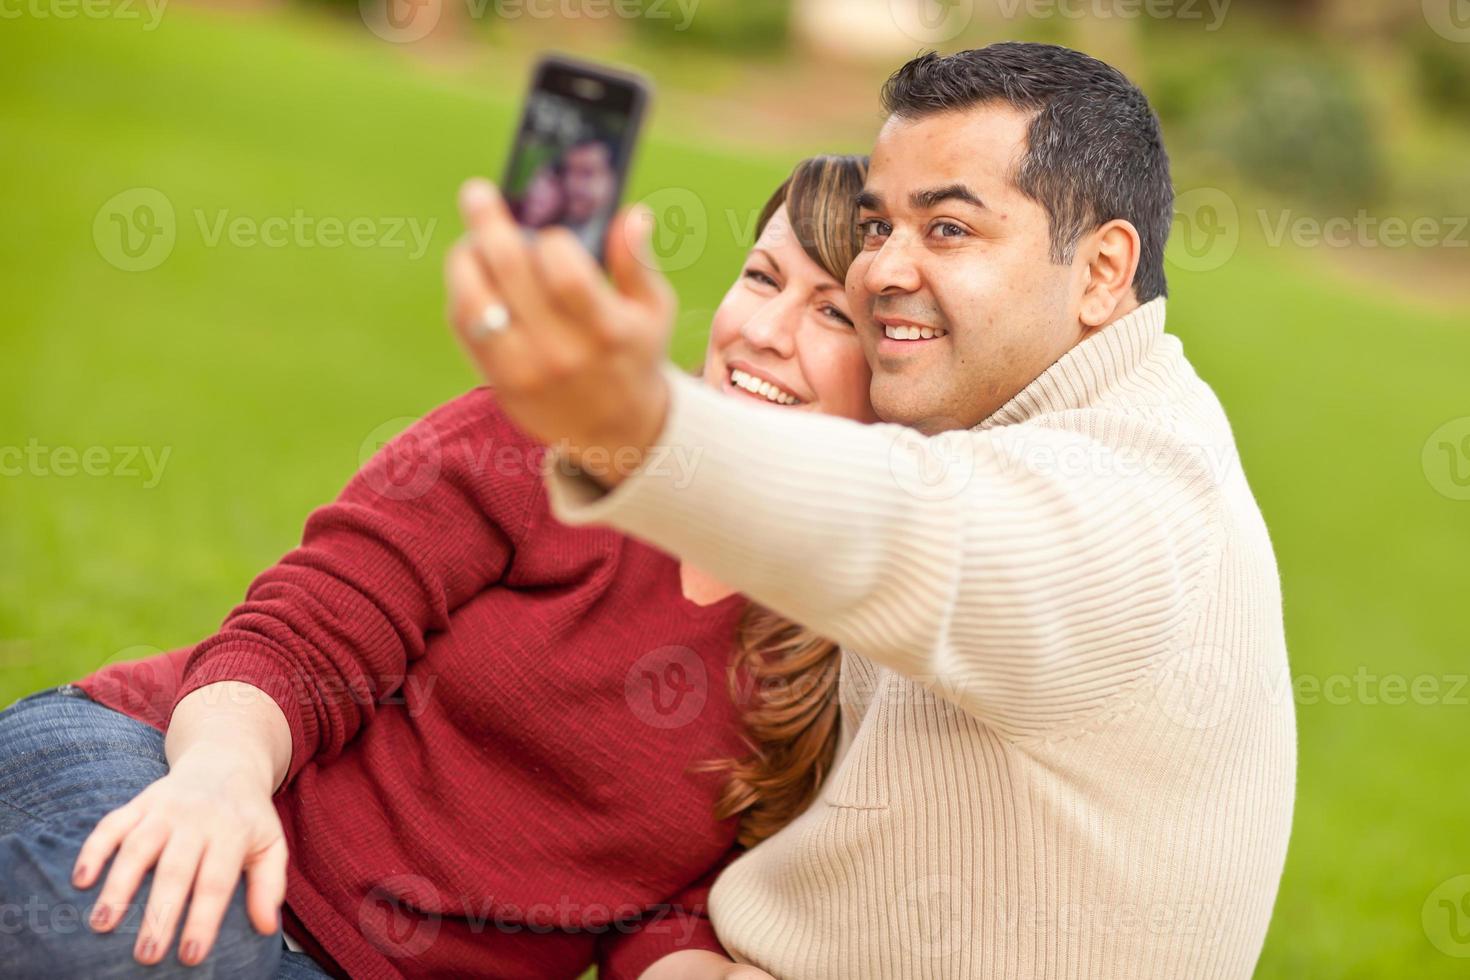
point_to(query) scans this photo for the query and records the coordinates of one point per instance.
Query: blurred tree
(1442, 69)
(1296, 123)
(744, 26)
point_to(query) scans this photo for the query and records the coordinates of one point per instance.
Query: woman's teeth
(913, 333)
(765, 389)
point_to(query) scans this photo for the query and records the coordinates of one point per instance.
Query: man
(589, 183)
(1057, 599)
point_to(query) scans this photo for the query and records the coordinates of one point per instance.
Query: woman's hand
(198, 827)
(701, 964)
(576, 360)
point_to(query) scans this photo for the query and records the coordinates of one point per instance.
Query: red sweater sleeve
(431, 520)
(682, 923)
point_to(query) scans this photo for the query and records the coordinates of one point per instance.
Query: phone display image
(571, 153)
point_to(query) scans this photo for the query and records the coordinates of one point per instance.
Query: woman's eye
(837, 314)
(760, 277)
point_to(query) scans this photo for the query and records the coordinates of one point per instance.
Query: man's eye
(873, 227)
(948, 229)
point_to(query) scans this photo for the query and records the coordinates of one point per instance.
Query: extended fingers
(172, 879)
(102, 841)
(630, 260)
(138, 853)
(265, 876)
(214, 884)
(501, 356)
(572, 279)
(504, 249)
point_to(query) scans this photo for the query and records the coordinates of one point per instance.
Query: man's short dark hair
(593, 139)
(1094, 151)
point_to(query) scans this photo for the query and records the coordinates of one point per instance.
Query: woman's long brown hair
(785, 674)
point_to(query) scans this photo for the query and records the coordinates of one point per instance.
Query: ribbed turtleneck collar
(1088, 369)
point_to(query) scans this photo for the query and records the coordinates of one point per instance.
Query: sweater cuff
(668, 465)
(249, 665)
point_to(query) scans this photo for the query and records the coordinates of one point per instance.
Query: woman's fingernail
(79, 875)
(146, 948)
(99, 917)
(189, 953)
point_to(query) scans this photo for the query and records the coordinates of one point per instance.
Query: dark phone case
(636, 84)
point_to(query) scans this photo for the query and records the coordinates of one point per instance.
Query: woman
(542, 202)
(457, 737)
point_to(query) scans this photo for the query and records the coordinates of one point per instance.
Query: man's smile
(903, 336)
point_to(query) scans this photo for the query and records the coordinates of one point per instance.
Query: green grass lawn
(262, 371)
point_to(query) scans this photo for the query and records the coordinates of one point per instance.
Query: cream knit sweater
(1068, 740)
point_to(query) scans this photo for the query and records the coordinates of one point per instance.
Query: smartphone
(574, 147)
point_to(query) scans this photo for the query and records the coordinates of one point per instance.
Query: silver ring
(494, 318)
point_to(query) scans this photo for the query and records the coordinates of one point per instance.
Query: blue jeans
(65, 762)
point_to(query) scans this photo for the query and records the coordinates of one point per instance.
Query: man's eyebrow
(953, 192)
(923, 200)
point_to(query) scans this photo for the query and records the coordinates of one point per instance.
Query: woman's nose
(774, 327)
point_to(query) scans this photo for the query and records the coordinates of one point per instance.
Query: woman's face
(542, 203)
(784, 330)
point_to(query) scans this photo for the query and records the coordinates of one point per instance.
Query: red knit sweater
(493, 720)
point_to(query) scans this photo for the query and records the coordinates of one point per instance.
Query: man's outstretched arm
(1024, 591)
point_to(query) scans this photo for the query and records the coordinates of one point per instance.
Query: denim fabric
(65, 762)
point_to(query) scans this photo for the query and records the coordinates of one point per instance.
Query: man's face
(952, 247)
(588, 181)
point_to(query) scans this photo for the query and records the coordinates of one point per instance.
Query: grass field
(262, 371)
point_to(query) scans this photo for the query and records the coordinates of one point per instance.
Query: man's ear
(1111, 253)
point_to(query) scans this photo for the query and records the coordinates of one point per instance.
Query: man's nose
(893, 268)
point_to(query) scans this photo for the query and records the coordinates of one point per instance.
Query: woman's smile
(745, 379)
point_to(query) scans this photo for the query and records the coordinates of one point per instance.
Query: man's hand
(575, 361)
(701, 964)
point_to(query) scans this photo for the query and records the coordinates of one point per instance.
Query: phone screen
(573, 149)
